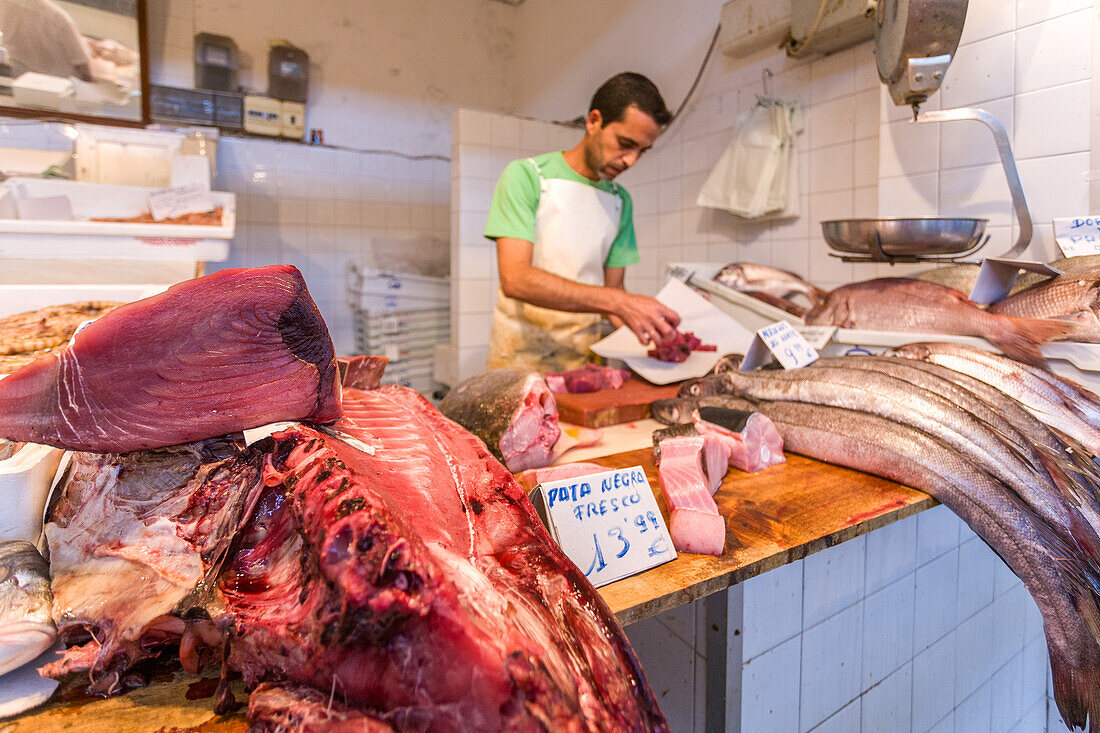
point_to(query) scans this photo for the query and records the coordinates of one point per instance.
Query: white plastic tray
(753, 314)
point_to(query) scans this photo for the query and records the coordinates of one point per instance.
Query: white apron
(575, 225)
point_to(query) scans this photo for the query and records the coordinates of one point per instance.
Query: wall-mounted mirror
(78, 59)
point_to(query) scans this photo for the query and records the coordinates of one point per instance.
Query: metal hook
(764, 75)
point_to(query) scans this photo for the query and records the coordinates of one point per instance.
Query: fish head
(831, 310)
(672, 411)
(909, 351)
(733, 276)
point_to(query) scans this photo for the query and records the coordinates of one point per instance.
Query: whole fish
(960, 277)
(1057, 577)
(915, 306)
(1066, 265)
(748, 277)
(1035, 393)
(513, 411)
(1074, 296)
(26, 627)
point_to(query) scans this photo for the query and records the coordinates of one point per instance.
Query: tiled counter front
(917, 626)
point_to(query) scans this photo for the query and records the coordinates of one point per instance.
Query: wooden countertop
(773, 517)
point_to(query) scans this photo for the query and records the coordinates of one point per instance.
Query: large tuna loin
(210, 356)
(395, 572)
(513, 411)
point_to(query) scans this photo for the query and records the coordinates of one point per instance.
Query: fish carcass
(26, 628)
(915, 306)
(210, 356)
(748, 277)
(513, 411)
(690, 470)
(1074, 296)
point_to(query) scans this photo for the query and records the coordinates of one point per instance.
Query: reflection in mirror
(72, 58)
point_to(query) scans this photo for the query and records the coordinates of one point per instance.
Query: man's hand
(650, 320)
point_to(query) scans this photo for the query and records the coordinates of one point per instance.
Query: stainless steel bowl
(885, 238)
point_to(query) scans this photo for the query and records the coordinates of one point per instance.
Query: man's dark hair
(625, 89)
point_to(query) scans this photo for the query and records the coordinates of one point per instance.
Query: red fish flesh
(589, 378)
(210, 356)
(686, 473)
(402, 572)
(753, 442)
(679, 347)
(511, 410)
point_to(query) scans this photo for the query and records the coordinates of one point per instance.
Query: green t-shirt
(516, 199)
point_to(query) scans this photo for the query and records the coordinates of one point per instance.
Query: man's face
(614, 147)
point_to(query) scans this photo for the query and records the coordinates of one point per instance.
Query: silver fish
(914, 306)
(26, 626)
(749, 277)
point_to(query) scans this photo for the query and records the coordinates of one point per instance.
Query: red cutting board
(612, 406)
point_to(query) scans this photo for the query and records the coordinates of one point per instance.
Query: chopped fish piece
(682, 474)
(589, 378)
(26, 629)
(210, 356)
(750, 437)
(512, 411)
(361, 372)
(679, 347)
(697, 531)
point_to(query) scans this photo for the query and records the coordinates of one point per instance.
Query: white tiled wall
(917, 626)
(483, 144)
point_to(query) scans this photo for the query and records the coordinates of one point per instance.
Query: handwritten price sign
(608, 523)
(1078, 236)
(779, 340)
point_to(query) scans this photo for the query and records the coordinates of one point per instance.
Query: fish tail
(1021, 337)
(1076, 689)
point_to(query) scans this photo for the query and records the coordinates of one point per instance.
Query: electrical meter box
(263, 115)
(287, 72)
(216, 60)
(293, 123)
(843, 23)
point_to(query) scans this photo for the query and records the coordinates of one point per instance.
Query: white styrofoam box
(83, 239)
(25, 481)
(20, 298)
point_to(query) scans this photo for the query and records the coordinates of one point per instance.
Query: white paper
(781, 341)
(169, 202)
(608, 524)
(697, 315)
(1077, 236)
(996, 277)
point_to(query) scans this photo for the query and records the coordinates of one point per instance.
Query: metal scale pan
(915, 41)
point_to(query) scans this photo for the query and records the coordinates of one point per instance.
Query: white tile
(681, 622)
(865, 202)
(1055, 186)
(933, 683)
(772, 608)
(865, 162)
(1008, 706)
(1054, 52)
(979, 72)
(936, 599)
(891, 553)
(845, 720)
(831, 122)
(887, 630)
(979, 193)
(1005, 581)
(974, 653)
(1034, 670)
(471, 361)
(1035, 719)
(987, 19)
(669, 665)
(769, 700)
(1036, 11)
(909, 195)
(830, 665)
(945, 725)
(973, 714)
(906, 148)
(504, 132)
(1066, 106)
(888, 706)
(833, 580)
(1055, 724)
(832, 76)
(968, 143)
(975, 578)
(865, 69)
(937, 532)
(831, 169)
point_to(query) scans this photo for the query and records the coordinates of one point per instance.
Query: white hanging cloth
(757, 174)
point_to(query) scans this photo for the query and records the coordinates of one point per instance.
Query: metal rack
(401, 316)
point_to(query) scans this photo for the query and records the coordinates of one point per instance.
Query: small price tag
(169, 202)
(996, 277)
(607, 523)
(817, 336)
(781, 341)
(1078, 236)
